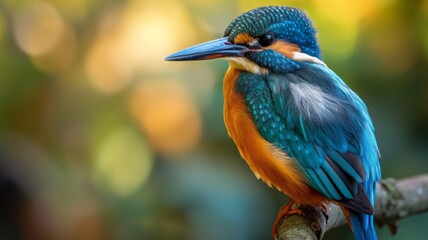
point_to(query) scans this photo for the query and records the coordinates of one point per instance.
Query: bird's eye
(266, 39)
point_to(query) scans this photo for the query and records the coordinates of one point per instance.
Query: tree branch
(395, 200)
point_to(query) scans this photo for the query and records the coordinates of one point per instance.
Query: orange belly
(267, 161)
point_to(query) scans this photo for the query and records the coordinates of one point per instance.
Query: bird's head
(267, 39)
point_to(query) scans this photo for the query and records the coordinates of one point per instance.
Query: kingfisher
(296, 123)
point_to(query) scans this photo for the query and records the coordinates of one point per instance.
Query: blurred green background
(100, 138)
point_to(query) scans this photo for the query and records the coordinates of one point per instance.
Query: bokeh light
(137, 39)
(123, 162)
(167, 115)
(38, 27)
(73, 9)
(60, 57)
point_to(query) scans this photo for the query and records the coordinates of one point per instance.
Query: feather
(323, 128)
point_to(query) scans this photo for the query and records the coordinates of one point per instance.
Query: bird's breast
(266, 160)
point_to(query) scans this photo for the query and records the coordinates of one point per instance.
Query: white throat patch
(245, 64)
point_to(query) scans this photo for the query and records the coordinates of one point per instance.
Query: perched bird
(297, 124)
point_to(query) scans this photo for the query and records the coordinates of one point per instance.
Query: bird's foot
(290, 208)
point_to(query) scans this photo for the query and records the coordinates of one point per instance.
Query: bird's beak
(218, 48)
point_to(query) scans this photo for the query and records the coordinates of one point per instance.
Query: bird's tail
(363, 226)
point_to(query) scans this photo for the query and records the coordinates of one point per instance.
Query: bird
(297, 124)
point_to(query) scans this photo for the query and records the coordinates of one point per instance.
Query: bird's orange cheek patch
(285, 48)
(243, 38)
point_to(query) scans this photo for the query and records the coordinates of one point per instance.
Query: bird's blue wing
(313, 116)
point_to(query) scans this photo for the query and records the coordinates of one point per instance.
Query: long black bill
(209, 50)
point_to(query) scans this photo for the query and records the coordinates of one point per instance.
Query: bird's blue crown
(285, 23)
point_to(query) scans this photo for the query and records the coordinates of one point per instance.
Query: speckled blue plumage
(288, 22)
